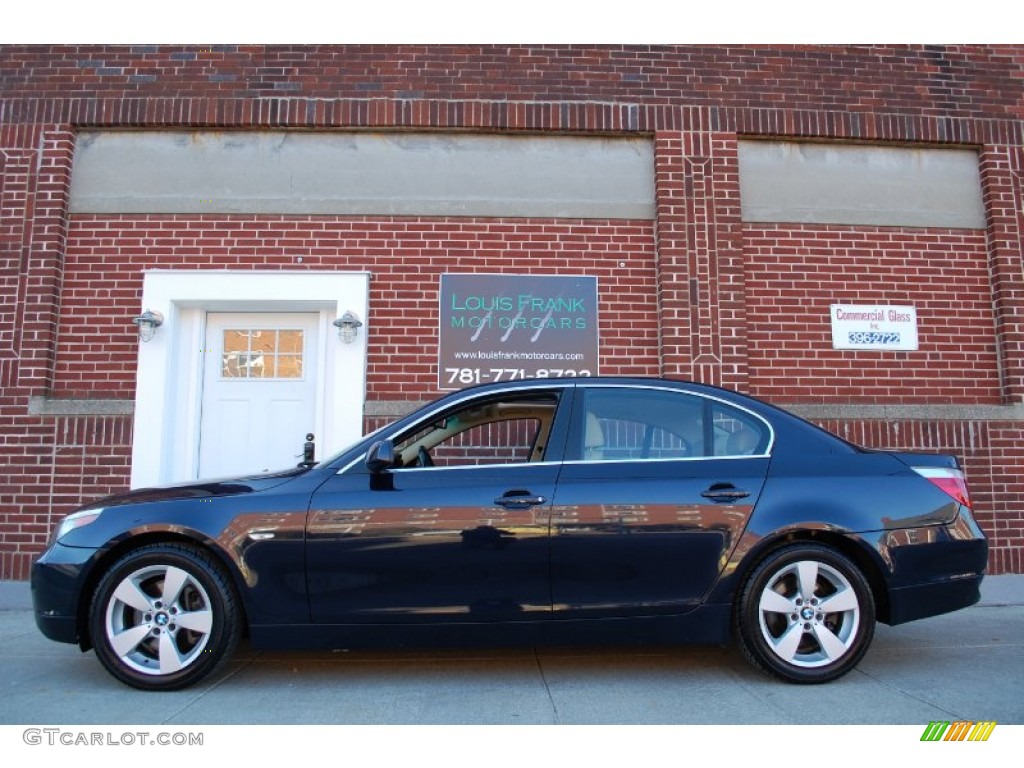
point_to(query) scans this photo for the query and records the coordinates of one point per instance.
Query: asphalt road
(967, 665)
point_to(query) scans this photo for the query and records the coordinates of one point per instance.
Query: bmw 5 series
(540, 511)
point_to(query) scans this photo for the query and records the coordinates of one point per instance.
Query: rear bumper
(924, 600)
(936, 570)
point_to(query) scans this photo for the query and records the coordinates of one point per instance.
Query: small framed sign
(874, 326)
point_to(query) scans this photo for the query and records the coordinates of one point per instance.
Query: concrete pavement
(967, 665)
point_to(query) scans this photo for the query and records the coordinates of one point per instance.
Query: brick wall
(51, 466)
(164, 84)
(793, 275)
(106, 256)
(695, 293)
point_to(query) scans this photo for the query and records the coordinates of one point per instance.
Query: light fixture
(147, 324)
(348, 326)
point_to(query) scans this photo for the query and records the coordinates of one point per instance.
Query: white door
(259, 391)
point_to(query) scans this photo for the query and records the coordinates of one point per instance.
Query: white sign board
(873, 326)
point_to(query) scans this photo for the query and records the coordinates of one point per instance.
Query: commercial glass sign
(509, 327)
(874, 326)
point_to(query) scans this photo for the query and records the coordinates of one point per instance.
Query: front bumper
(58, 579)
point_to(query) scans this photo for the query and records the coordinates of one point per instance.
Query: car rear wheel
(806, 614)
(164, 617)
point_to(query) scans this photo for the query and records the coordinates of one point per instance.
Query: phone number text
(873, 337)
(482, 375)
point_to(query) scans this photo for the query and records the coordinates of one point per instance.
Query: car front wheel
(806, 614)
(164, 617)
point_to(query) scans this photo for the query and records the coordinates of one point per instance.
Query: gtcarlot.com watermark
(70, 737)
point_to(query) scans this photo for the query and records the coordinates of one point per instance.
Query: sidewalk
(964, 665)
(1007, 589)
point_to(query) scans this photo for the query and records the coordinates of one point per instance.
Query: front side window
(512, 430)
(646, 424)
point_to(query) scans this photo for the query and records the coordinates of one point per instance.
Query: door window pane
(626, 425)
(499, 431)
(502, 442)
(737, 433)
(622, 425)
(262, 353)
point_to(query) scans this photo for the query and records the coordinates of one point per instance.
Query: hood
(202, 489)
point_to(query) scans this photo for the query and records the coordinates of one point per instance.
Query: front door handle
(519, 500)
(724, 492)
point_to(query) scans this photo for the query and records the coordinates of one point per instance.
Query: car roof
(782, 421)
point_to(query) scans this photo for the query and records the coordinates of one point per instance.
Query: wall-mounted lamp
(348, 326)
(147, 324)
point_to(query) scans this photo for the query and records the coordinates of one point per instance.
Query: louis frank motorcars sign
(508, 327)
(874, 326)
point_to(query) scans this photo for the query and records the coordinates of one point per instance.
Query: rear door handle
(519, 500)
(724, 492)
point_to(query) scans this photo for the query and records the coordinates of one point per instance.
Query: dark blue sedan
(541, 511)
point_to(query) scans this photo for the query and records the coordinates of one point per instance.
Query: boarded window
(812, 183)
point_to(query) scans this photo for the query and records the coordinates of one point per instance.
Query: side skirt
(707, 625)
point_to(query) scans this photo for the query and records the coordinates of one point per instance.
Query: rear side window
(737, 433)
(645, 424)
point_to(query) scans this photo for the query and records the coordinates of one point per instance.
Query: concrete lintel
(55, 406)
(363, 173)
(1011, 412)
(394, 408)
(52, 406)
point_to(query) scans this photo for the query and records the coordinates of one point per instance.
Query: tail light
(949, 480)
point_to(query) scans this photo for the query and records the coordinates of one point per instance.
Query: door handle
(724, 492)
(519, 500)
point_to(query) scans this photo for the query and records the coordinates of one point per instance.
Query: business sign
(873, 326)
(509, 327)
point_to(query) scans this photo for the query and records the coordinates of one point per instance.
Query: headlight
(76, 520)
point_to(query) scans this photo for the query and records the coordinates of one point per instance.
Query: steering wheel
(424, 457)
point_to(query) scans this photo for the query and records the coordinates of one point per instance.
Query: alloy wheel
(159, 619)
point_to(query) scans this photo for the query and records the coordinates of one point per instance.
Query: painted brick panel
(794, 274)
(51, 466)
(107, 255)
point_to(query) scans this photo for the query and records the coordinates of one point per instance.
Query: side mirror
(381, 456)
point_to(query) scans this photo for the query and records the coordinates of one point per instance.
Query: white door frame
(165, 439)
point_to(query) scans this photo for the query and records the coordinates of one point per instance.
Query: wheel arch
(131, 543)
(850, 545)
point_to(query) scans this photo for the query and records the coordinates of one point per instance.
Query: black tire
(164, 617)
(783, 620)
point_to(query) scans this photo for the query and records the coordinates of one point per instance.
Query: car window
(644, 424)
(737, 433)
(511, 430)
(624, 424)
